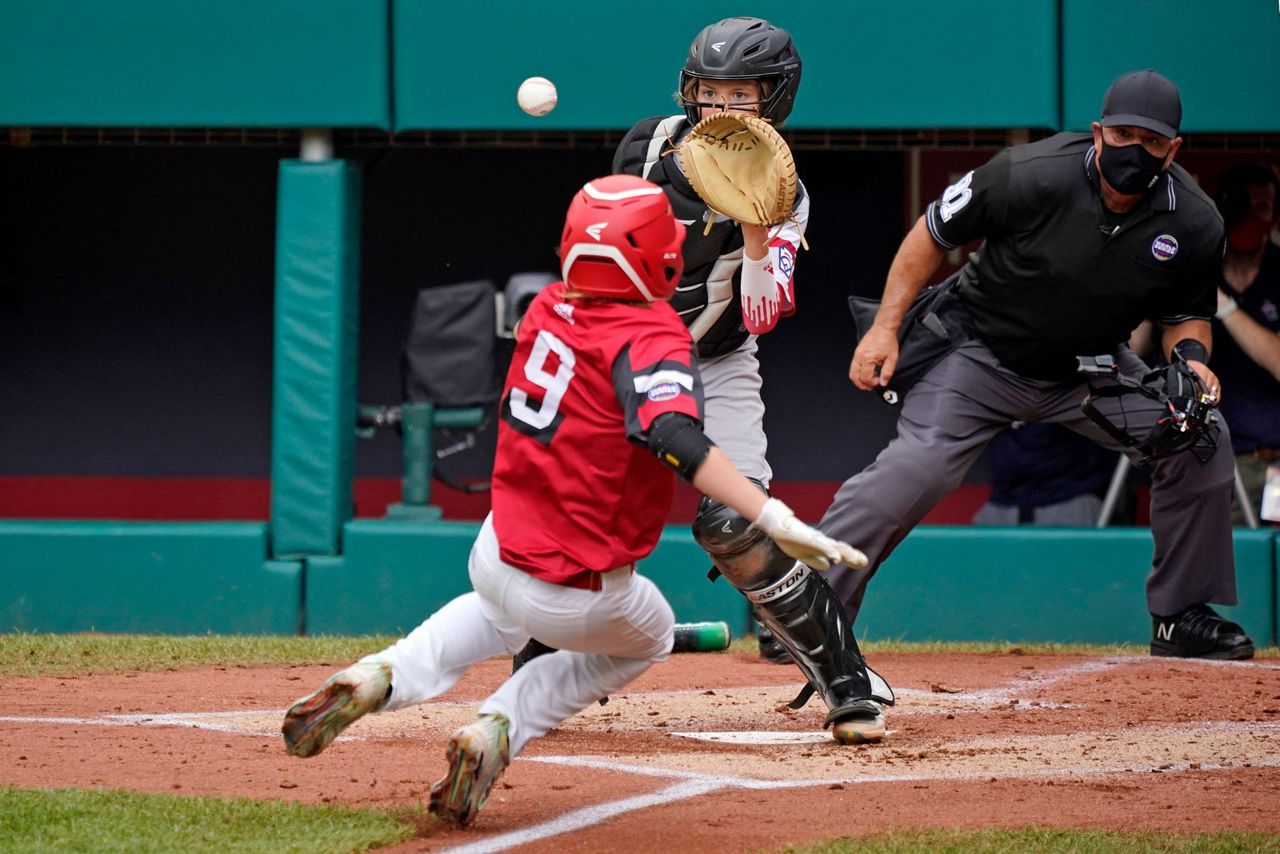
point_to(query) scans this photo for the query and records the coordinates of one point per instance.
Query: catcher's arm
(761, 300)
(768, 270)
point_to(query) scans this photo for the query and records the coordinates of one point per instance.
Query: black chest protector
(708, 297)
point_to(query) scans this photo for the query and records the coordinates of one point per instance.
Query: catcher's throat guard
(1190, 421)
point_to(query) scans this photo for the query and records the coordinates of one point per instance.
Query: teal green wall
(390, 577)
(1048, 584)
(194, 62)
(943, 583)
(1223, 55)
(423, 64)
(146, 578)
(867, 63)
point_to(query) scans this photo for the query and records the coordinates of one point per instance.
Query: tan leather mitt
(741, 167)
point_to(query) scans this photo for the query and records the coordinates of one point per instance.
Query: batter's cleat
(313, 722)
(861, 722)
(770, 650)
(1199, 632)
(478, 754)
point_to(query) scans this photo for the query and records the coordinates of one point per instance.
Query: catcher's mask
(1190, 422)
(621, 241)
(744, 49)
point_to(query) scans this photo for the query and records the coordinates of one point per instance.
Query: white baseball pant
(605, 639)
(734, 411)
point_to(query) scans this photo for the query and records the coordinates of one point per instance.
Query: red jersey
(575, 488)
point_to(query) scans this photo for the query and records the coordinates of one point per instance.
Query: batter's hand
(805, 544)
(875, 359)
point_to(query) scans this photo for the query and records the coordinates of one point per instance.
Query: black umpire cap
(1143, 99)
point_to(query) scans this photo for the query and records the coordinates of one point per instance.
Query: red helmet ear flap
(621, 241)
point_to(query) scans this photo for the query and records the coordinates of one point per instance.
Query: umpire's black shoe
(1199, 632)
(770, 650)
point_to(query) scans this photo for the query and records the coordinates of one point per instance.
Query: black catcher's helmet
(745, 49)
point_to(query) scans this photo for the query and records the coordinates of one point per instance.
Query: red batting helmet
(621, 241)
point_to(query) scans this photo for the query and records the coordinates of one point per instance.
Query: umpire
(1085, 236)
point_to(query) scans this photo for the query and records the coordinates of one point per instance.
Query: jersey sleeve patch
(646, 391)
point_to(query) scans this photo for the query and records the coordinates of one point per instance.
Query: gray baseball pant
(951, 414)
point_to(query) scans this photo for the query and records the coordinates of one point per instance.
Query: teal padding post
(313, 408)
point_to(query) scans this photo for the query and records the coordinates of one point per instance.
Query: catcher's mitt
(741, 167)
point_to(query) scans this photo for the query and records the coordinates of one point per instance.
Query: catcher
(731, 180)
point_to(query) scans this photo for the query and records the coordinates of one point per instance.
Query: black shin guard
(798, 607)
(807, 619)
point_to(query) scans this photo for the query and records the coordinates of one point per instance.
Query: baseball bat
(702, 637)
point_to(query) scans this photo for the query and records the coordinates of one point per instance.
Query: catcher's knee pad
(743, 554)
(806, 618)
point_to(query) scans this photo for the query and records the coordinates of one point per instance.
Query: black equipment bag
(449, 358)
(935, 324)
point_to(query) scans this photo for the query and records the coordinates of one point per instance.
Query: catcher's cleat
(770, 650)
(313, 722)
(1199, 632)
(478, 754)
(861, 722)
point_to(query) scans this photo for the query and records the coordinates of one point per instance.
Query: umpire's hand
(1211, 384)
(875, 359)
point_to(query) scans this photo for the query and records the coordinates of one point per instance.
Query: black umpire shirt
(1059, 275)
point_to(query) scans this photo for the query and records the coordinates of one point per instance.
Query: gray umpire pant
(951, 414)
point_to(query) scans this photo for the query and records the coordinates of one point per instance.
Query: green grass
(67, 820)
(1036, 840)
(24, 654)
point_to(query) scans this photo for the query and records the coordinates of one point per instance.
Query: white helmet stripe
(604, 250)
(595, 193)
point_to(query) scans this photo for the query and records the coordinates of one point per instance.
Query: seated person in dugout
(1246, 333)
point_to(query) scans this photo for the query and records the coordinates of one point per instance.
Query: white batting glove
(805, 544)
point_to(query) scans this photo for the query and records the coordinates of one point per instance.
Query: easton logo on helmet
(595, 229)
(1164, 247)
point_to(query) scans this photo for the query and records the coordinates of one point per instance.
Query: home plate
(759, 737)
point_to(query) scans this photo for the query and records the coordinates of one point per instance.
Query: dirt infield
(1125, 743)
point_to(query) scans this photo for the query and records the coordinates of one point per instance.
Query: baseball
(537, 96)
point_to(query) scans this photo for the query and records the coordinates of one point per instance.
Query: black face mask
(1131, 169)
